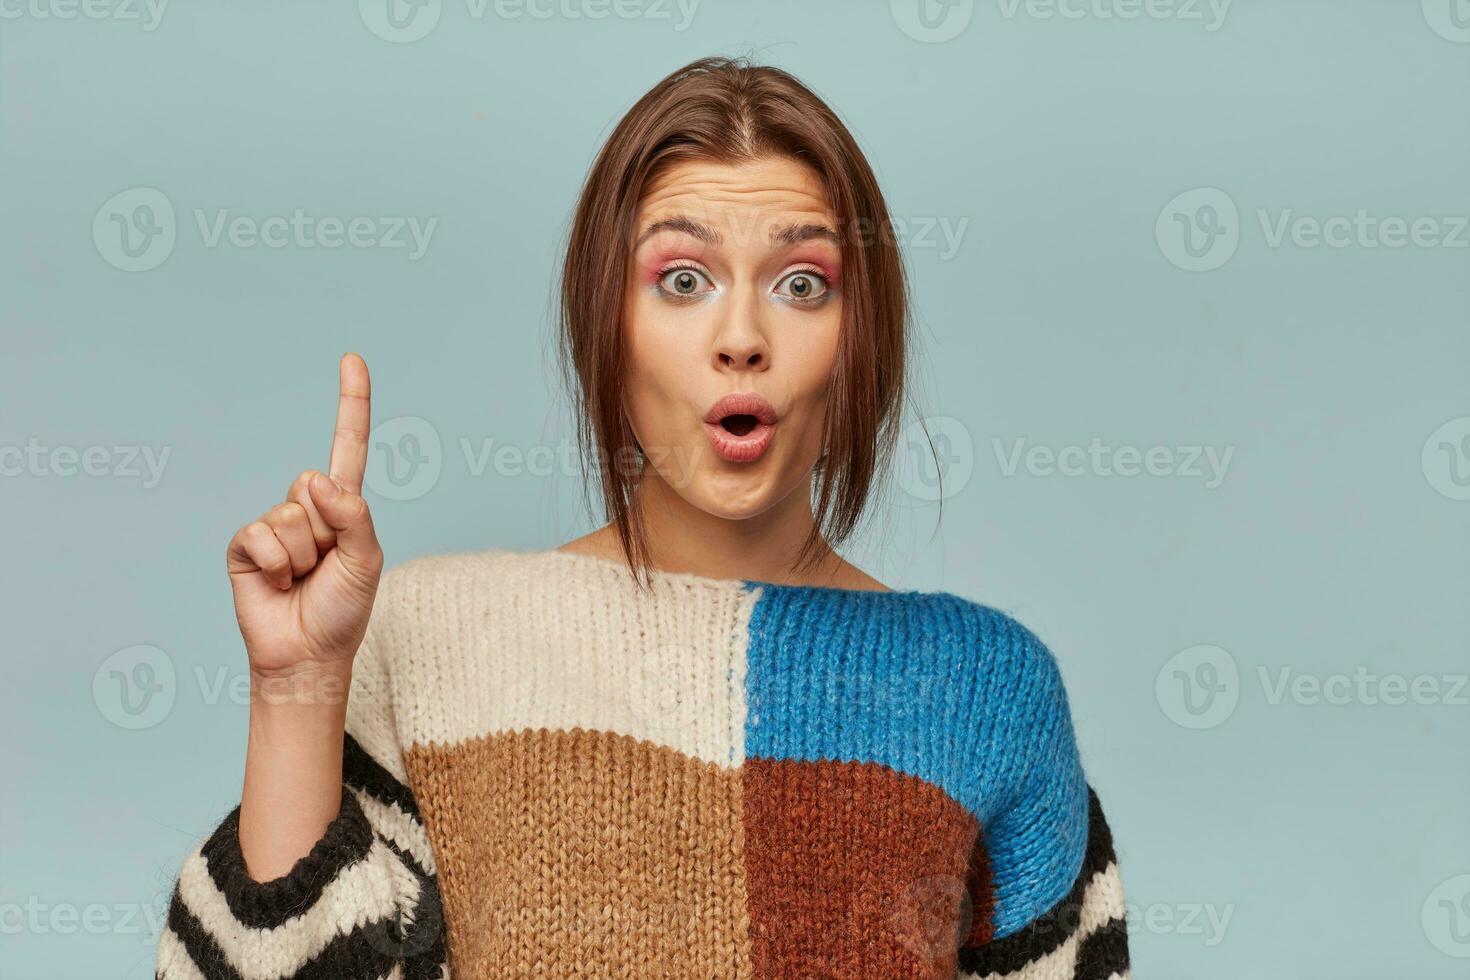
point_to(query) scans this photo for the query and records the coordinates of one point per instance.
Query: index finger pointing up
(354, 421)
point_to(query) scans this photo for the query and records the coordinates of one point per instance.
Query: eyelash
(827, 288)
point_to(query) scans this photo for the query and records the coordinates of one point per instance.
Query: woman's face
(731, 320)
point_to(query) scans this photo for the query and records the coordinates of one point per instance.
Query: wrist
(316, 689)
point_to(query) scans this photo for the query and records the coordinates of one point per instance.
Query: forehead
(775, 188)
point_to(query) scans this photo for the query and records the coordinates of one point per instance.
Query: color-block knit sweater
(551, 773)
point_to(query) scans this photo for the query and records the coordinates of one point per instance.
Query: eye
(683, 281)
(804, 285)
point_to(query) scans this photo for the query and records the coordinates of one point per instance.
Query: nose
(736, 356)
(741, 343)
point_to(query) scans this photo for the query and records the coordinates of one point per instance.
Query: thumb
(348, 515)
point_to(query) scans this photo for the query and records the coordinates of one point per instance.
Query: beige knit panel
(498, 642)
(585, 854)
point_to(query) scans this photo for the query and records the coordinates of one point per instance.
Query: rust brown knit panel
(853, 870)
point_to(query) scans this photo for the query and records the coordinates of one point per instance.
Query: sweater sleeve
(362, 905)
(1045, 873)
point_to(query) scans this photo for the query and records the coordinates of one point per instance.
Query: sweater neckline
(708, 581)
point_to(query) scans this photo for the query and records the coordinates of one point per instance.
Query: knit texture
(550, 773)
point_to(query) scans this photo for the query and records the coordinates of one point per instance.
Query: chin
(739, 495)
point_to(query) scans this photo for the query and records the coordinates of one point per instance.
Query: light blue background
(1320, 829)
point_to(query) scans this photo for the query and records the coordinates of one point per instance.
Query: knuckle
(357, 508)
(300, 486)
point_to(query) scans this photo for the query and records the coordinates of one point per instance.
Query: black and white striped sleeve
(1083, 937)
(362, 905)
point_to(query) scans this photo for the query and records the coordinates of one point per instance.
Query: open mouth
(740, 426)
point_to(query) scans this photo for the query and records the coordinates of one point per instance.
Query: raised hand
(305, 573)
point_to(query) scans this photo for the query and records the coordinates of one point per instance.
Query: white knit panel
(496, 641)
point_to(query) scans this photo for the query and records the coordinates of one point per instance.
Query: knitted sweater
(551, 773)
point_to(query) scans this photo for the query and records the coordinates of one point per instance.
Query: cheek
(814, 355)
(648, 336)
(641, 372)
(660, 365)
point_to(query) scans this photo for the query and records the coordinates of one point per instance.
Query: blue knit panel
(938, 687)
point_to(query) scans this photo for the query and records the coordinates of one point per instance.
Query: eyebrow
(789, 235)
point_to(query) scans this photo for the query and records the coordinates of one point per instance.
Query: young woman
(695, 742)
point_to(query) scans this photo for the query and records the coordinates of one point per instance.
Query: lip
(749, 447)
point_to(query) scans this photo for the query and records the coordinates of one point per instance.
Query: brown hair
(727, 110)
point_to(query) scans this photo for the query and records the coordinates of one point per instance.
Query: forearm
(293, 766)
